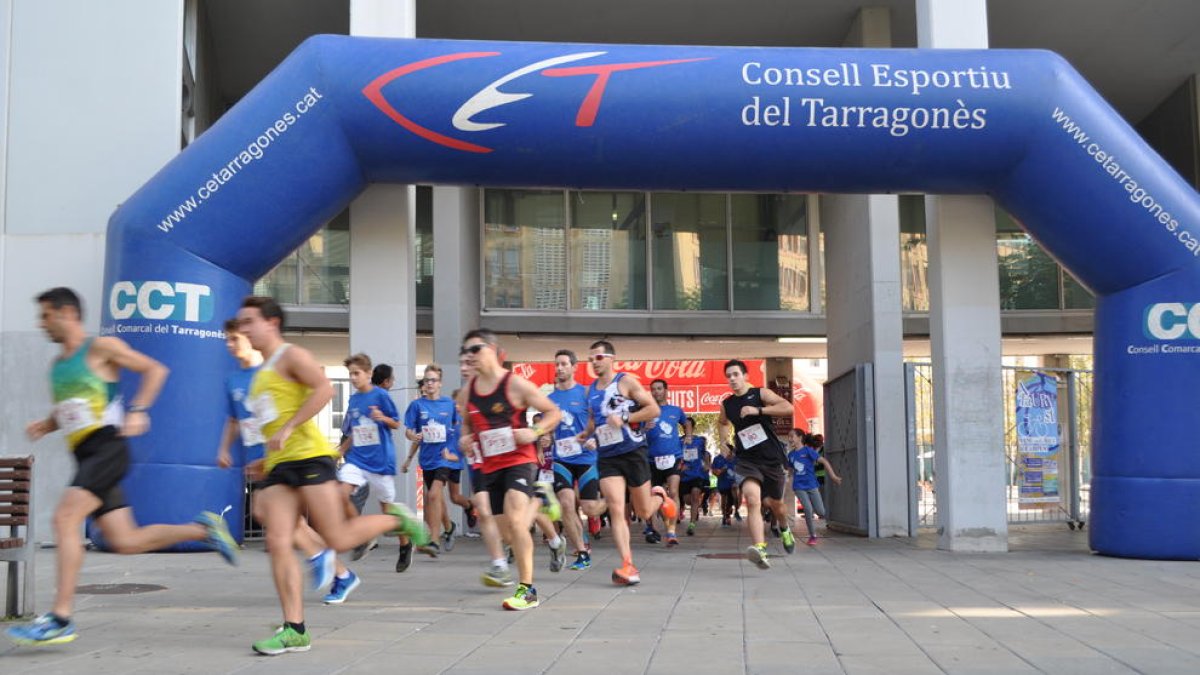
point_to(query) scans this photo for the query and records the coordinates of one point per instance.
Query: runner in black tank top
(760, 456)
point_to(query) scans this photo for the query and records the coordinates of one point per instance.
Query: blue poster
(1037, 438)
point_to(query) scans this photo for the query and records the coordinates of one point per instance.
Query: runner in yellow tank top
(90, 412)
(301, 476)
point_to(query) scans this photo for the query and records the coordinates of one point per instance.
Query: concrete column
(863, 319)
(456, 231)
(964, 328)
(383, 321)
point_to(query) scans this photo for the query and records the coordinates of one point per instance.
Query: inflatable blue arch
(341, 113)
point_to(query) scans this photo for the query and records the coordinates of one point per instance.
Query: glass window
(914, 254)
(325, 264)
(282, 282)
(1028, 277)
(608, 250)
(1075, 296)
(524, 249)
(770, 252)
(424, 246)
(691, 268)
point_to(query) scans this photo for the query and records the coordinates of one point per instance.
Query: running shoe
(44, 630)
(669, 509)
(544, 491)
(812, 541)
(626, 575)
(737, 516)
(594, 527)
(363, 549)
(449, 536)
(725, 522)
(218, 537)
(672, 540)
(408, 524)
(758, 556)
(321, 568)
(775, 532)
(472, 519)
(341, 589)
(405, 558)
(691, 529)
(430, 549)
(524, 598)
(509, 555)
(558, 556)
(582, 562)
(286, 639)
(789, 540)
(651, 535)
(497, 577)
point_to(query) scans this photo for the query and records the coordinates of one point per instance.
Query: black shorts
(584, 477)
(302, 473)
(103, 459)
(442, 473)
(632, 466)
(687, 485)
(659, 476)
(768, 474)
(520, 478)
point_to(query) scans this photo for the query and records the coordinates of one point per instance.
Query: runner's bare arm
(118, 353)
(526, 394)
(298, 364)
(631, 388)
(776, 405)
(722, 429)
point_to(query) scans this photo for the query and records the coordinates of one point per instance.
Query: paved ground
(848, 605)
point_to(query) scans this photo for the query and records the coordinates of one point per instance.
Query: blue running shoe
(341, 589)
(582, 562)
(321, 568)
(43, 630)
(218, 536)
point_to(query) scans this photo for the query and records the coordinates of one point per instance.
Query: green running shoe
(409, 524)
(789, 540)
(284, 640)
(218, 536)
(497, 577)
(758, 556)
(525, 598)
(544, 491)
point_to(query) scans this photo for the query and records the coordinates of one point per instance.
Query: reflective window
(770, 252)
(689, 250)
(424, 246)
(524, 249)
(608, 250)
(1075, 296)
(317, 273)
(1029, 278)
(914, 254)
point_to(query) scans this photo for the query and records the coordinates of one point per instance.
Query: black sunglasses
(474, 349)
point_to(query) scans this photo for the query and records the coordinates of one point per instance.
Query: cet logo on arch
(1173, 321)
(161, 301)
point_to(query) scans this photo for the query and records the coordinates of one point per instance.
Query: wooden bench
(17, 547)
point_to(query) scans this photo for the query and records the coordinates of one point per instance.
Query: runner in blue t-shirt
(724, 467)
(432, 423)
(695, 467)
(575, 473)
(665, 452)
(801, 462)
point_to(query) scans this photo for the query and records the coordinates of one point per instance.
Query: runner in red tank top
(495, 402)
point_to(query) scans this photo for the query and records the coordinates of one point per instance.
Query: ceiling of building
(1134, 52)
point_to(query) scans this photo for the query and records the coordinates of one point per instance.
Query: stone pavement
(848, 605)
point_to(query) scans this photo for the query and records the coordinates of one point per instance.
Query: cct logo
(1173, 321)
(160, 300)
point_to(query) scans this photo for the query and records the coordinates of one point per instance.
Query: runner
(803, 461)
(287, 392)
(760, 456)
(495, 402)
(550, 534)
(426, 423)
(616, 402)
(666, 456)
(696, 461)
(724, 469)
(576, 480)
(92, 414)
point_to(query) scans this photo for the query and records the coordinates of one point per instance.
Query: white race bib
(497, 441)
(545, 476)
(691, 454)
(433, 433)
(608, 435)
(251, 432)
(664, 462)
(365, 433)
(752, 435)
(74, 414)
(568, 447)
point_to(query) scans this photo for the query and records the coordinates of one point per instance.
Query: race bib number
(691, 454)
(752, 435)
(608, 435)
(251, 432)
(74, 414)
(664, 462)
(567, 447)
(497, 441)
(545, 476)
(433, 433)
(365, 433)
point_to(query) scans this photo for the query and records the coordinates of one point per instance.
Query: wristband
(137, 409)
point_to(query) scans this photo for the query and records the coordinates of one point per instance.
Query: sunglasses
(601, 357)
(474, 349)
